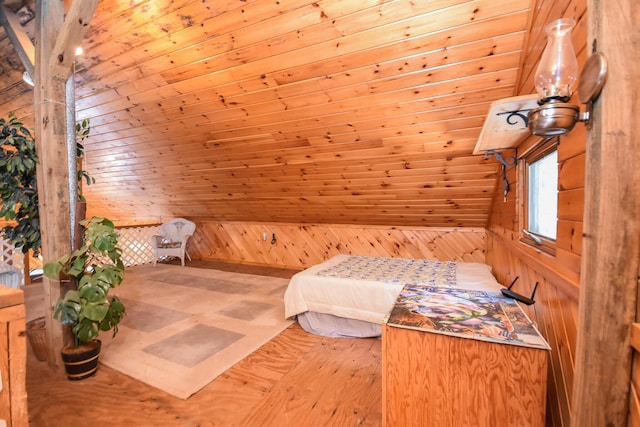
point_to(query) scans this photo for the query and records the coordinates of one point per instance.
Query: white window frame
(538, 241)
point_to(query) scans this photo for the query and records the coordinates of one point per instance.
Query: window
(540, 196)
(543, 195)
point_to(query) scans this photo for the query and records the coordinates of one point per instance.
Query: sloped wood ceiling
(340, 112)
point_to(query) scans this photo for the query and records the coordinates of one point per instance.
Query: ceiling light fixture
(555, 79)
(79, 51)
(26, 77)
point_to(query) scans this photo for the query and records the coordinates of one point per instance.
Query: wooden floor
(296, 379)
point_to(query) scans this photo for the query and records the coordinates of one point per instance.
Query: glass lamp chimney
(557, 71)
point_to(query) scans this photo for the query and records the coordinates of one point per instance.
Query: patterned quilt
(366, 287)
(394, 270)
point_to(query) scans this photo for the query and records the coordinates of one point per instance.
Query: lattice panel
(12, 256)
(136, 244)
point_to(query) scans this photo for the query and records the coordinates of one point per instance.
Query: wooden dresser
(13, 359)
(434, 378)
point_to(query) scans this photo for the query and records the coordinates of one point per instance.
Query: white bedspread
(368, 299)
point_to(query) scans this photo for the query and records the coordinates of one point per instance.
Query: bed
(349, 296)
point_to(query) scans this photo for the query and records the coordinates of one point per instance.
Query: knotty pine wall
(556, 307)
(298, 111)
(299, 246)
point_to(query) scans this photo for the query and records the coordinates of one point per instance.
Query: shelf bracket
(518, 114)
(509, 161)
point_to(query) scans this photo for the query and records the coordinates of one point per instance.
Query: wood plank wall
(556, 307)
(295, 111)
(299, 246)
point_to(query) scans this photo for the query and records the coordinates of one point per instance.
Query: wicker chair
(172, 240)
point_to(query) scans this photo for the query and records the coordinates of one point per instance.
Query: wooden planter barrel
(81, 362)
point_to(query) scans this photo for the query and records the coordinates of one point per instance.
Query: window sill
(548, 247)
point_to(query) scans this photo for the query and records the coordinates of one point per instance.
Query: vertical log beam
(51, 146)
(611, 248)
(56, 41)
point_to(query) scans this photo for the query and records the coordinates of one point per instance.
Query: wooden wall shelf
(506, 124)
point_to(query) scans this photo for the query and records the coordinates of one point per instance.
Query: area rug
(185, 326)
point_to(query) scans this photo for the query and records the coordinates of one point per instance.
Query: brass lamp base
(554, 118)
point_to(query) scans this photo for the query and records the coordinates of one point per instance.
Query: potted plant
(97, 267)
(18, 194)
(19, 199)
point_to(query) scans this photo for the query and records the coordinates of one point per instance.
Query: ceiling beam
(71, 34)
(19, 38)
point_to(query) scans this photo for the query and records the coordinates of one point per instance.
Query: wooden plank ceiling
(326, 111)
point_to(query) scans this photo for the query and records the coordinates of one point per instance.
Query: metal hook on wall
(505, 184)
(509, 161)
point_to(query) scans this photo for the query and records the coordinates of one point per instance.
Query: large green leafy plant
(83, 129)
(18, 188)
(98, 268)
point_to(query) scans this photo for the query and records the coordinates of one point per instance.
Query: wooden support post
(51, 146)
(611, 247)
(56, 42)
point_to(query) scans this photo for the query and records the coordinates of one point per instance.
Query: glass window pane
(543, 196)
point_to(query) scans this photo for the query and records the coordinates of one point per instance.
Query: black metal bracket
(520, 114)
(518, 297)
(509, 161)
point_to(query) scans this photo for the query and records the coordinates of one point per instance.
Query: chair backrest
(176, 229)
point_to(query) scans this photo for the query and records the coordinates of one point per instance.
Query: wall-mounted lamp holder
(556, 116)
